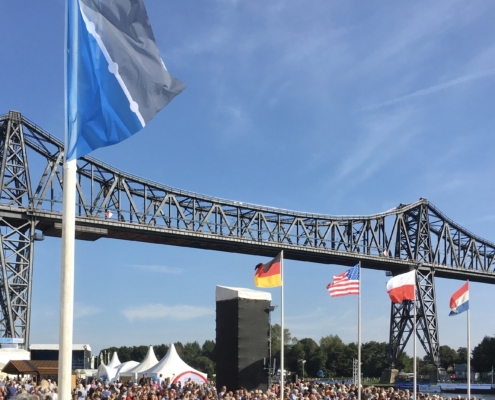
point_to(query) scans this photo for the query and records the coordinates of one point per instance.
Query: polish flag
(402, 287)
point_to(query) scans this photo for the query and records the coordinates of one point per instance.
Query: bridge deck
(96, 228)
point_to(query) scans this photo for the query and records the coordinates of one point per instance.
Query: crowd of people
(28, 389)
(158, 389)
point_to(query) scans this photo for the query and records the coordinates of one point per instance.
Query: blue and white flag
(116, 80)
(459, 302)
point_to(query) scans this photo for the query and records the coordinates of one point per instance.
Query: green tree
(462, 355)
(208, 350)
(276, 336)
(190, 352)
(160, 350)
(204, 364)
(424, 367)
(350, 354)
(484, 355)
(374, 358)
(448, 357)
(124, 353)
(314, 356)
(334, 349)
(138, 353)
(295, 353)
(405, 363)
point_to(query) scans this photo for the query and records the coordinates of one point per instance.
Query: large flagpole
(282, 335)
(359, 333)
(468, 355)
(68, 225)
(67, 281)
(414, 333)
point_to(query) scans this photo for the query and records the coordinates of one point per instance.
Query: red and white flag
(345, 283)
(402, 287)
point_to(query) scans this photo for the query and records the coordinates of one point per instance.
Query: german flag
(268, 275)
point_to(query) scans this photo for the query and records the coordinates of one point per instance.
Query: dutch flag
(459, 302)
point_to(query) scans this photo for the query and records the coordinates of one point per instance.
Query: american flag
(345, 283)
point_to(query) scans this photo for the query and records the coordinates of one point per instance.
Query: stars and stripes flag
(345, 283)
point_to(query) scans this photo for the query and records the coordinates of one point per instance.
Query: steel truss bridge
(414, 236)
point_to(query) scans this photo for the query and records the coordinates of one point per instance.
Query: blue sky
(338, 108)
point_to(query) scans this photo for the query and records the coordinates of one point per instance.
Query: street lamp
(302, 362)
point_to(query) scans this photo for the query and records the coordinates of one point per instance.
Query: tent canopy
(124, 367)
(173, 367)
(109, 372)
(114, 362)
(106, 372)
(148, 362)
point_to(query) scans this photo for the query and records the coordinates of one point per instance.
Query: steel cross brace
(402, 321)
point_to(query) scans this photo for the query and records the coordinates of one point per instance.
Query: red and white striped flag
(345, 283)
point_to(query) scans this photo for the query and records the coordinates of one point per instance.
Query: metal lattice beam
(402, 320)
(408, 234)
(16, 256)
(396, 240)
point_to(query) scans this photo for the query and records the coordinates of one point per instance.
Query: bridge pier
(402, 322)
(17, 234)
(389, 375)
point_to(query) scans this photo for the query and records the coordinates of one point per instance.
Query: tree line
(331, 355)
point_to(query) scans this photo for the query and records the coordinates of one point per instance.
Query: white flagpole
(68, 232)
(414, 333)
(468, 355)
(282, 335)
(67, 281)
(359, 333)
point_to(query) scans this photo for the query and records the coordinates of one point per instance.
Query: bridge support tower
(402, 325)
(17, 235)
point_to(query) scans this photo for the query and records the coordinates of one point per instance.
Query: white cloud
(162, 269)
(376, 146)
(156, 311)
(433, 89)
(83, 310)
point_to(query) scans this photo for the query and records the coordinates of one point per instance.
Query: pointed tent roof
(173, 367)
(149, 361)
(114, 361)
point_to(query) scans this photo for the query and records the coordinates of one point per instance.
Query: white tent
(124, 367)
(148, 362)
(114, 362)
(173, 367)
(108, 372)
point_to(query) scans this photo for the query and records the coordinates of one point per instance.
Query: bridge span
(409, 236)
